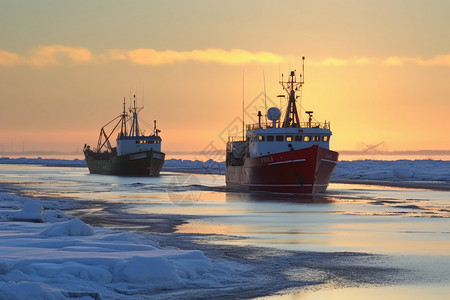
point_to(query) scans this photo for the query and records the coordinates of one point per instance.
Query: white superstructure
(263, 141)
(132, 144)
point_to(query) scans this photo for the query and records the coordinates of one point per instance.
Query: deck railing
(236, 138)
(324, 125)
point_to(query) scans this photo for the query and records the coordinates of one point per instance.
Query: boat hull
(298, 171)
(145, 163)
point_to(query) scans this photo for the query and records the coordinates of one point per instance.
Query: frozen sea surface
(66, 234)
(412, 173)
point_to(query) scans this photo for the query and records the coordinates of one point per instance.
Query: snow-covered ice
(205, 167)
(43, 161)
(32, 212)
(399, 170)
(62, 258)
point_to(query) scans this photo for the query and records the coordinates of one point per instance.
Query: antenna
(143, 97)
(155, 132)
(303, 70)
(310, 113)
(123, 130)
(279, 72)
(265, 95)
(243, 102)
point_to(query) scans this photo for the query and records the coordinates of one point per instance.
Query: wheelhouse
(276, 140)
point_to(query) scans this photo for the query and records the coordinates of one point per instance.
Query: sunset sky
(378, 70)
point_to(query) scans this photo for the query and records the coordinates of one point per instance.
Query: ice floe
(64, 258)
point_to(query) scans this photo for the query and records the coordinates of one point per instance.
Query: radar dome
(273, 114)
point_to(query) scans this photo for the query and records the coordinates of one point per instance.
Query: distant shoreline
(395, 153)
(423, 152)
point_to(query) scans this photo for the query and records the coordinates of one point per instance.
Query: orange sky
(379, 71)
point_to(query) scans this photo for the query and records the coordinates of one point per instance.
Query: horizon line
(173, 152)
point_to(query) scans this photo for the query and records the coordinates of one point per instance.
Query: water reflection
(407, 292)
(252, 196)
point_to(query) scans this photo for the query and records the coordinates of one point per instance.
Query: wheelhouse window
(279, 138)
(326, 138)
(307, 138)
(298, 138)
(261, 138)
(270, 138)
(289, 138)
(316, 138)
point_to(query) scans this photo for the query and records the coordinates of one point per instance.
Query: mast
(123, 129)
(243, 107)
(134, 131)
(265, 97)
(291, 86)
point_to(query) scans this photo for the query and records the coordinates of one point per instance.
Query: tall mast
(123, 129)
(243, 107)
(134, 131)
(291, 118)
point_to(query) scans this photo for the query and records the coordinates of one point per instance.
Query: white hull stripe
(286, 162)
(297, 160)
(138, 156)
(295, 185)
(156, 155)
(330, 161)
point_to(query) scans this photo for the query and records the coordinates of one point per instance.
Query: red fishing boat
(289, 156)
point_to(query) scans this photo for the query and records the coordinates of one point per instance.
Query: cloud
(57, 55)
(395, 61)
(154, 57)
(439, 60)
(8, 59)
(54, 55)
(232, 57)
(47, 55)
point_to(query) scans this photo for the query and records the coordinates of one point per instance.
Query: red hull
(297, 171)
